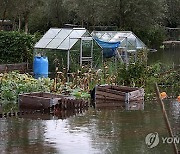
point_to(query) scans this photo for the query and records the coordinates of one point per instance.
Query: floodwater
(99, 131)
(94, 131)
(168, 56)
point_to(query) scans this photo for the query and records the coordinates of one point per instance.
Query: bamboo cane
(165, 117)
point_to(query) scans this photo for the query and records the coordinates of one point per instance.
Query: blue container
(40, 67)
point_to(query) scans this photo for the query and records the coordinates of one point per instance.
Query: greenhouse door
(86, 51)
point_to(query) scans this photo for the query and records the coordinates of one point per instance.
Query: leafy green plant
(12, 84)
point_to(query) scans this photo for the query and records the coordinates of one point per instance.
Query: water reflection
(168, 56)
(22, 136)
(101, 131)
(173, 108)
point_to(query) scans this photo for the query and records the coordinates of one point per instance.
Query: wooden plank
(21, 67)
(35, 94)
(110, 105)
(136, 99)
(119, 88)
(50, 95)
(111, 91)
(171, 42)
(2, 68)
(36, 103)
(110, 98)
(136, 94)
(106, 95)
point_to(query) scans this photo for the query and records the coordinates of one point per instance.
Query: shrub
(16, 47)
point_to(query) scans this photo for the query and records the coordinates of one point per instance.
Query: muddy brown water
(101, 131)
(90, 132)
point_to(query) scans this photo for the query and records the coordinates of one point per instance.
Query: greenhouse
(69, 48)
(129, 42)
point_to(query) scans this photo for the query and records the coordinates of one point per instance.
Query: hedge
(16, 47)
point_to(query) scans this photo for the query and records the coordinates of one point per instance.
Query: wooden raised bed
(119, 96)
(45, 101)
(21, 67)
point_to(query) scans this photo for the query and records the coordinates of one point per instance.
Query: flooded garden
(89, 77)
(93, 130)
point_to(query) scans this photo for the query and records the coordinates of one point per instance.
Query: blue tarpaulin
(109, 48)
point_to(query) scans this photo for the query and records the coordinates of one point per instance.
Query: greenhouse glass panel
(106, 37)
(63, 33)
(42, 43)
(59, 38)
(54, 43)
(86, 48)
(117, 37)
(98, 35)
(71, 39)
(67, 44)
(81, 32)
(57, 43)
(51, 33)
(140, 44)
(127, 39)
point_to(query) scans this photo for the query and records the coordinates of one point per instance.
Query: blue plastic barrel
(40, 67)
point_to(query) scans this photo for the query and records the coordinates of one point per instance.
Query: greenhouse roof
(126, 38)
(61, 38)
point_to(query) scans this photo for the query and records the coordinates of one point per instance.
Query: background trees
(173, 13)
(144, 17)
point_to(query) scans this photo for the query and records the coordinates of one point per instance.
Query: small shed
(69, 48)
(129, 42)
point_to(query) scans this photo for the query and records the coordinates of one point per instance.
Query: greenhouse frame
(75, 44)
(129, 42)
(71, 48)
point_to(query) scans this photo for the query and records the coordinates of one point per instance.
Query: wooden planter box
(119, 96)
(45, 101)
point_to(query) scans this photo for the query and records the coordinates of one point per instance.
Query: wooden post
(127, 101)
(1, 110)
(126, 54)
(68, 54)
(92, 45)
(81, 50)
(165, 118)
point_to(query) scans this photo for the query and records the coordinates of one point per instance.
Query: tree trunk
(3, 17)
(19, 23)
(26, 23)
(82, 23)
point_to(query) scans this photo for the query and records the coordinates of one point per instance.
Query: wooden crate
(45, 101)
(119, 96)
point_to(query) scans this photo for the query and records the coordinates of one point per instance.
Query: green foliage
(142, 17)
(134, 74)
(79, 93)
(152, 36)
(12, 84)
(172, 13)
(16, 47)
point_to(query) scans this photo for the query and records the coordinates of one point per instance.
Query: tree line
(147, 18)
